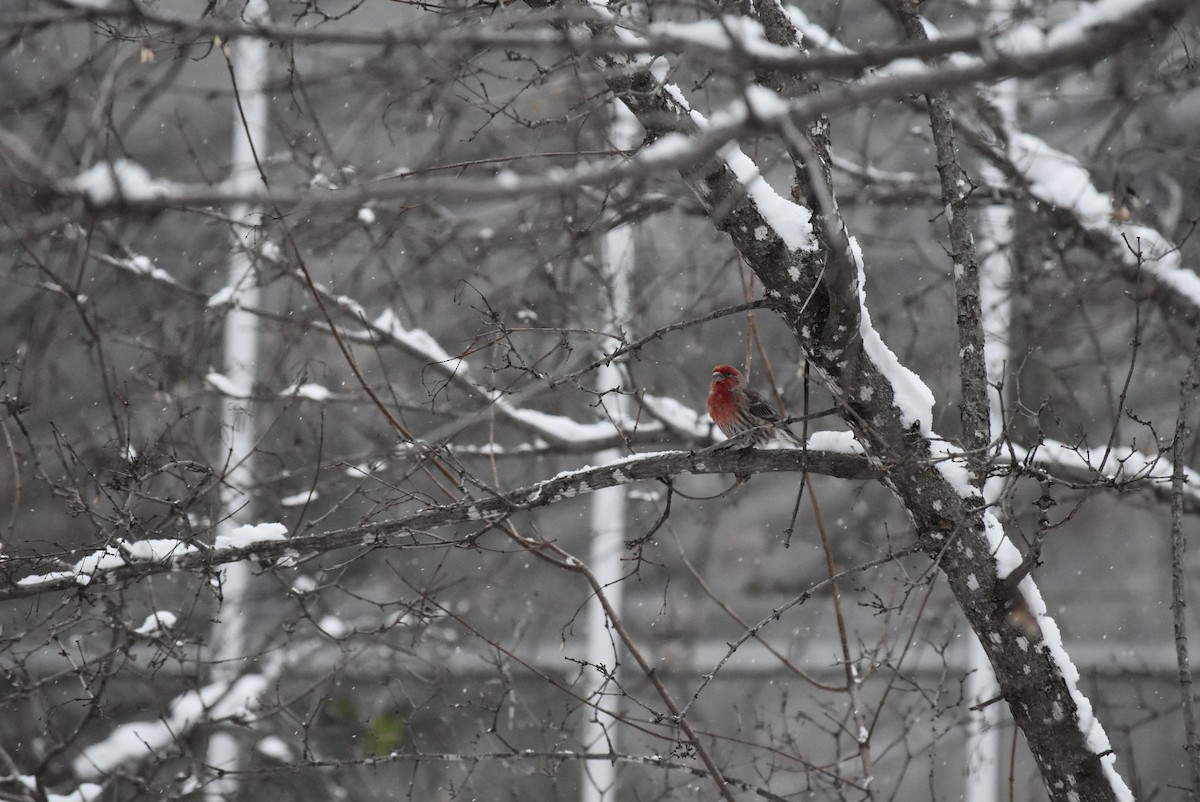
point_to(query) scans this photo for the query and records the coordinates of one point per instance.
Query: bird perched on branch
(735, 407)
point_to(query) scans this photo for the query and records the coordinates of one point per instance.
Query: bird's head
(726, 374)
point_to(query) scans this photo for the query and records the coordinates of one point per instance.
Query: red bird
(735, 407)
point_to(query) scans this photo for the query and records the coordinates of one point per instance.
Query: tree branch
(974, 406)
(124, 563)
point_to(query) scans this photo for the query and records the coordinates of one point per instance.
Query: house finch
(737, 408)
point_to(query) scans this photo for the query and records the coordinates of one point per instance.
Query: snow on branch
(830, 453)
(160, 622)
(838, 456)
(786, 219)
(136, 741)
(675, 417)
(1054, 177)
(139, 265)
(1093, 33)
(416, 342)
(106, 183)
(1059, 180)
(84, 792)
(561, 429)
(310, 391)
(679, 418)
(558, 429)
(387, 328)
(1051, 645)
(162, 551)
(249, 535)
(225, 386)
(910, 394)
(727, 32)
(1121, 467)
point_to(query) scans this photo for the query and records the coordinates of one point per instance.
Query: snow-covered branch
(830, 453)
(137, 741)
(1058, 180)
(1122, 468)
(833, 454)
(556, 429)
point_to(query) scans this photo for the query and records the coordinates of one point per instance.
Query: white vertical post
(598, 732)
(248, 59)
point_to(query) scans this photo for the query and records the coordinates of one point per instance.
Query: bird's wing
(759, 407)
(762, 409)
